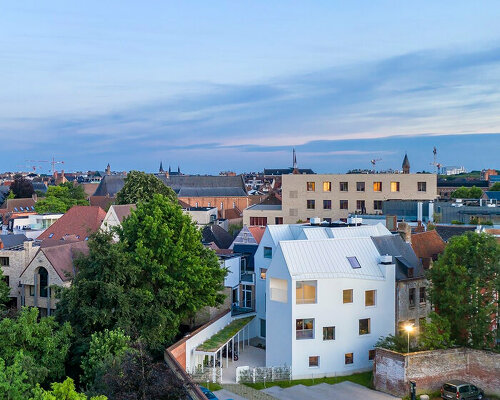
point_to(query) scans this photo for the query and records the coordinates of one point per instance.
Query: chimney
(405, 231)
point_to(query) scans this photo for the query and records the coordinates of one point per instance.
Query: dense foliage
(4, 294)
(61, 198)
(21, 187)
(495, 187)
(140, 186)
(62, 391)
(467, 193)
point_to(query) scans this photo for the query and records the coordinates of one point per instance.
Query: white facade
(357, 325)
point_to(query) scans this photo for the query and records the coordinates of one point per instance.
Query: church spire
(406, 165)
(161, 167)
(295, 169)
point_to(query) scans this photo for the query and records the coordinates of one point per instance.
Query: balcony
(243, 307)
(247, 277)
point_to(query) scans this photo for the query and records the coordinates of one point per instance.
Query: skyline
(237, 86)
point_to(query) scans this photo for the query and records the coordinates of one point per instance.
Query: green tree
(467, 193)
(22, 187)
(14, 383)
(495, 187)
(4, 293)
(393, 342)
(140, 186)
(11, 195)
(62, 391)
(44, 344)
(435, 334)
(61, 198)
(465, 281)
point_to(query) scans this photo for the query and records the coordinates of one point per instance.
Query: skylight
(15, 209)
(51, 235)
(354, 262)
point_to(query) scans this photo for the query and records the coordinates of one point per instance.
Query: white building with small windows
(328, 300)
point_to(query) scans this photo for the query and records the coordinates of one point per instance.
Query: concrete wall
(18, 260)
(430, 369)
(269, 214)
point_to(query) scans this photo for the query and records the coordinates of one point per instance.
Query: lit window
(347, 296)
(311, 186)
(354, 262)
(348, 358)
(370, 298)
(344, 186)
(304, 328)
(314, 361)
(364, 326)
(377, 186)
(268, 252)
(305, 292)
(327, 204)
(328, 333)
(360, 186)
(394, 186)
(311, 204)
(263, 272)
(327, 186)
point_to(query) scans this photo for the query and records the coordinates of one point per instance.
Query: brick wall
(430, 369)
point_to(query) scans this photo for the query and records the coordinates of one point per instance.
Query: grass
(364, 378)
(221, 337)
(212, 386)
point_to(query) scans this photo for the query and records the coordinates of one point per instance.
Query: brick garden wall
(430, 369)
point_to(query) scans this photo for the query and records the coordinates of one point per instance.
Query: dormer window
(354, 262)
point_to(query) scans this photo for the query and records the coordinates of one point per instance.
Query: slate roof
(80, 221)
(448, 231)
(287, 171)
(402, 255)
(492, 195)
(427, 244)
(12, 240)
(217, 235)
(40, 186)
(110, 185)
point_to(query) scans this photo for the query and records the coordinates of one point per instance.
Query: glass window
(411, 297)
(304, 328)
(364, 326)
(311, 204)
(44, 281)
(344, 204)
(327, 186)
(377, 186)
(32, 290)
(327, 204)
(394, 186)
(360, 186)
(305, 292)
(344, 186)
(314, 361)
(262, 327)
(360, 205)
(371, 355)
(4, 261)
(354, 262)
(258, 221)
(278, 290)
(268, 252)
(349, 358)
(311, 186)
(51, 235)
(278, 220)
(422, 186)
(347, 296)
(464, 389)
(328, 333)
(421, 292)
(263, 272)
(377, 204)
(370, 298)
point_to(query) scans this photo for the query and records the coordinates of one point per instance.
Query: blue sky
(235, 85)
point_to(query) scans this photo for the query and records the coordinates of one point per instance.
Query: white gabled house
(327, 303)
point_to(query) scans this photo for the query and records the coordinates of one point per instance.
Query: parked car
(208, 394)
(461, 390)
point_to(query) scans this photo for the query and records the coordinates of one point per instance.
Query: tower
(406, 165)
(295, 169)
(108, 169)
(161, 167)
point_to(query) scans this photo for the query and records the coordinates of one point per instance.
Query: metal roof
(316, 259)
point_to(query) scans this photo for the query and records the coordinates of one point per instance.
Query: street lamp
(408, 329)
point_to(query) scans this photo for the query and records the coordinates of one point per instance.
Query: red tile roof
(101, 201)
(123, 210)
(80, 221)
(257, 232)
(427, 244)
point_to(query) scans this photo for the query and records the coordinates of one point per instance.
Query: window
(422, 186)
(258, 221)
(313, 361)
(344, 186)
(327, 204)
(32, 290)
(278, 289)
(347, 296)
(354, 262)
(263, 272)
(410, 272)
(344, 204)
(371, 355)
(4, 261)
(328, 333)
(348, 358)
(421, 295)
(268, 252)
(377, 186)
(377, 204)
(464, 389)
(262, 327)
(364, 326)
(196, 204)
(234, 204)
(304, 328)
(278, 220)
(305, 292)
(360, 186)
(311, 186)
(360, 205)
(311, 204)
(44, 281)
(411, 297)
(51, 235)
(209, 204)
(394, 186)
(370, 298)
(329, 220)
(221, 205)
(327, 186)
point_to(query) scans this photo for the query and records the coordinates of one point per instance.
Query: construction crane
(52, 162)
(435, 163)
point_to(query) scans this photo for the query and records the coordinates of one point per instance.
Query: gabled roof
(492, 195)
(217, 235)
(257, 232)
(80, 221)
(123, 210)
(316, 259)
(427, 244)
(27, 204)
(101, 201)
(232, 213)
(12, 240)
(110, 185)
(448, 231)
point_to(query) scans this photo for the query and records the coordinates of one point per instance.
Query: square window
(304, 328)
(354, 262)
(4, 261)
(364, 326)
(263, 272)
(347, 296)
(305, 292)
(344, 186)
(268, 252)
(327, 186)
(311, 186)
(311, 204)
(360, 186)
(349, 358)
(313, 361)
(371, 355)
(360, 205)
(278, 220)
(394, 186)
(344, 204)
(377, 204)
(328, 333)
(411, 297)
(422, 186)
(377, 186)
(370, 298)
(327, 204)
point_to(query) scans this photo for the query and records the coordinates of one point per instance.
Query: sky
(235, 85)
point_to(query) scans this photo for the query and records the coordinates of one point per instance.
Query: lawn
(364, 378)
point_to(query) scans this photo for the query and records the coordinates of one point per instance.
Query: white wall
(233, 275)
(260, 284)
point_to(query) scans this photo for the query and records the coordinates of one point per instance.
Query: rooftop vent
(385, 259)
(315, 221)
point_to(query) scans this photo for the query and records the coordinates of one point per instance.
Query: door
(235, 296)
(247, 296)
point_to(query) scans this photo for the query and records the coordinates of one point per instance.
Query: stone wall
(430, 369)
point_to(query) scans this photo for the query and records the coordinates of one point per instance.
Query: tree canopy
(467, 193)
(4, 293)
(22, 187)
(140, 186)
(495, 187)
(61, 198)
(62, 391)
(465, 280)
